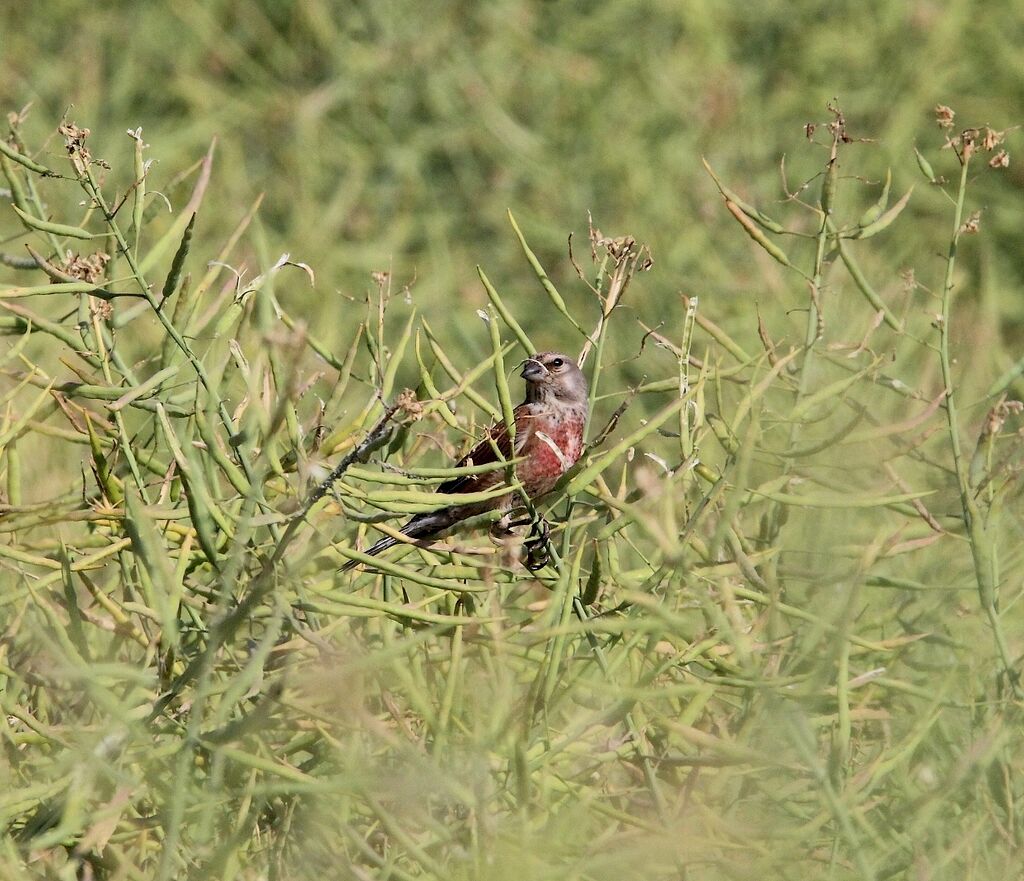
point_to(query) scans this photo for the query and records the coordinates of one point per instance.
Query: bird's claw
(502, 530)
(505, 527)
(536, 553)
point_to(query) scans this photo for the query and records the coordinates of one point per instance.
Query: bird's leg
(535, 546)
(501, 529)
(536, 551)
(509, 522)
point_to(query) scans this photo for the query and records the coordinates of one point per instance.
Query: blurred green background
(396, 134)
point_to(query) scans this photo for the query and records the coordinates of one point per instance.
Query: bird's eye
(558, 362)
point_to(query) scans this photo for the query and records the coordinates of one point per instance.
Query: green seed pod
(13, 473)
(178, 263)
(57, 229)
(870, 294)
(17, 190)
(9, 151)
(756, 234)
(139, 201)
(104, 474)
(876, 210)
(828, 187)
(884, 221)
(925, 166)
(751, 212)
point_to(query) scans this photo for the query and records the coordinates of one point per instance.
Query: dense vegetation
(778, 633)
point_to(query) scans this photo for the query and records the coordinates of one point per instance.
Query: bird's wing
(484, 453)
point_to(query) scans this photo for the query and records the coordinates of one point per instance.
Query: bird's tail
(421, 526)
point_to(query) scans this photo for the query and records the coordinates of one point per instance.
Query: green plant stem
(980, 541)
(812, 329)
(776, 517)
(813, 314)
(122, 429)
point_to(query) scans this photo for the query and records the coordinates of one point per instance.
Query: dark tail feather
(421, 526)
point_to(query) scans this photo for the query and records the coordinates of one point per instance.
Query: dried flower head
(992, 139)
(411, 407)
(102, 309)
(972, 224)
(837, 127)
(74, 142)
(944, 116)
(90, 269)
(998, 415)
(968, 143)
(1000, 160)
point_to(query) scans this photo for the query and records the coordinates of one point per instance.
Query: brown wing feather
(484, 454)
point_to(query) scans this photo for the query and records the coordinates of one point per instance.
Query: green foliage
(778, 632)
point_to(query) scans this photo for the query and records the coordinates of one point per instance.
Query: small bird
(548, 438)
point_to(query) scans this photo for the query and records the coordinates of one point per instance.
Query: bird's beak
(533, 371)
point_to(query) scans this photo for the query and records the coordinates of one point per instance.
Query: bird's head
(552, 375)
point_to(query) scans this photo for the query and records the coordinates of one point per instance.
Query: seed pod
(57, 229)
(542, 277)
(925, 166)
(751, 212)
(13, 473)
(756, 234)
(139, 200)
(883, 222)
(17, 190)
(507, 316)
(102, 467)
(178, 263)
(870, 294)
(593, 585)
(828, 187)
(876, 210)
(21, 159)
